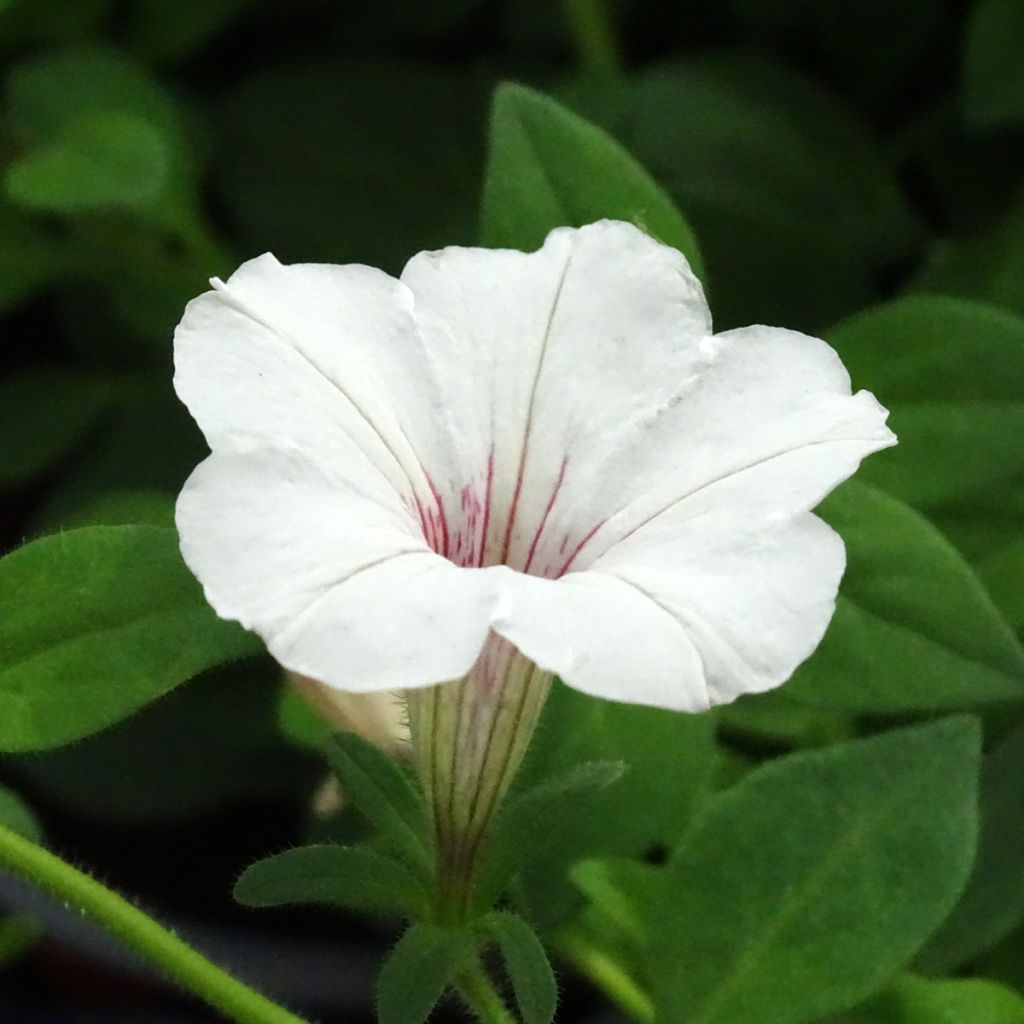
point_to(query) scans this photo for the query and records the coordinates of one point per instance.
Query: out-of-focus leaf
(161, 32)
(993, 903)
(835, 866)
(914, 628)
(178, 757)
(548, 168)
(146, 442)
(951, 372)
(311, 189)
(987, 264)
(299, 723)
(17, 936)
(97, 114)
(15, 815)
(993, 85)
(28, 258)
(96, 623)
(796, 208)
(350, 877)
(104, 160)
(49, 21)
(417, 972)
(913, 1000)
(1003, 574)
(47, 411)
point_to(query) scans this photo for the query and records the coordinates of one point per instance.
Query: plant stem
(607, 975)
(482, 997)
(594, 34)
(127, 923)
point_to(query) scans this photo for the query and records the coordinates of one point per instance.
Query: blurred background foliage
(849, 168)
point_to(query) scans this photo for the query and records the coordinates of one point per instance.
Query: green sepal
(421, 967)
(527, 965)
(386, 794)
(529, 824)
(350, 877)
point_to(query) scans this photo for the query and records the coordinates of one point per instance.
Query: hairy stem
(482, 997)
(177, 960)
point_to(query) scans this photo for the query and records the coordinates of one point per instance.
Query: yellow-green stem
(482, 997)
(594, 34)
(129, 924)
(607, 975)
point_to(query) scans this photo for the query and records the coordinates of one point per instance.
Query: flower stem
(594, 34)
(482, 997)
(607, 975)
(127, 923)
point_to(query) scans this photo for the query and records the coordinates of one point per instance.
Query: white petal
(684, 629)
(340, 588)
(323, 360)
(545, 359)
(605, 637)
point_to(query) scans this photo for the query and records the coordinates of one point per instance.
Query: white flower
(550, 448)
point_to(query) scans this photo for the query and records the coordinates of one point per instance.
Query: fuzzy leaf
(528, 967)
(383, 792)
(336, 876)
(835, 867)
(94, 624)
(418, 971)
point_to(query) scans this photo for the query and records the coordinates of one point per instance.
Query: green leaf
(336, 876)
(993, 77)
(414, 126)
(547, 168)
(168, 33)
(171, 778)
(636, 815)
(533, 825)
(795, 205)
(986, 264)
(29, 258)
(92, 113)
(1003, 574)
(913, 1000)
(94, 624)
(950, 371)
(914, 629)
(528, 967)
(419, 969)
(383, 792)
(622, 891)
(17, 936)
(992, 905)
(802, 889)
(105, 160)
(47, 412)
(15, 815)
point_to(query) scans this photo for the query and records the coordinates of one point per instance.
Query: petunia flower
(505, 466)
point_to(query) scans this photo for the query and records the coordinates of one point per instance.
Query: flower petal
(682, 628)
(545, 359)
(341, 588)
(320, 359)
